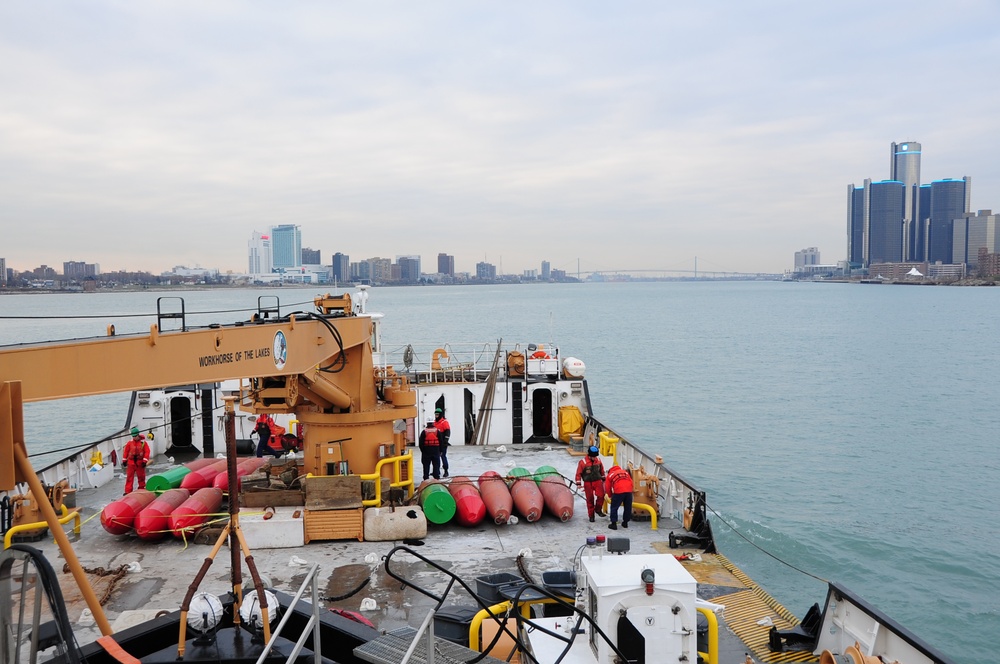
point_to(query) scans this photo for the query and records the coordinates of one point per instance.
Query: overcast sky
(144, 135)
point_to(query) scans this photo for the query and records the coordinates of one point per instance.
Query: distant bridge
(674, 274)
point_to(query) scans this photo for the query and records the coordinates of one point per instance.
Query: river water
(847, 430)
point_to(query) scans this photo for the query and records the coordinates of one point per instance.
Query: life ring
(540, 355)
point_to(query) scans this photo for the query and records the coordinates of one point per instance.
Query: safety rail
(676, 493)
(398, 481)
(312, 625)
(67, 516)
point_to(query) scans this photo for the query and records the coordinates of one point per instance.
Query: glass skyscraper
(885, 221)
(286, 246)
(856, 215)
(949, 201)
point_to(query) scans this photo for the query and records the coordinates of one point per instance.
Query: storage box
(488, 587)
(560, 583)
(453, 623)
(334, 524)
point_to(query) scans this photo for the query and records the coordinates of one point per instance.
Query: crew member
(430, 451)
(590, 478)
(444, 437)
(269, 436)
(619, 487)
(135, 456)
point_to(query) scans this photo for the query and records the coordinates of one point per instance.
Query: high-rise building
(446, 265)
(904, 166)
(857, 213)
(259, 254)
(3, 271)
(311, 256)
(486, 271)
(923, 223)
(806, 257)
(409, 269)
(972, 233)
(885, 221)
(341, 267)
(286, 246)
(949, 201)
(546, 271)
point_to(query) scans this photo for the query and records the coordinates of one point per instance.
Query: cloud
(157, 134)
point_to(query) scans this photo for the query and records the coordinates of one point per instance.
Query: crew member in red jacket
(590, 478)
(135, 456)
(444, 437)
(619, 486)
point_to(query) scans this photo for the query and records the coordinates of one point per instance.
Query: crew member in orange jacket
(590, 478)
(430, 451)
(619, 486)
(135, 456)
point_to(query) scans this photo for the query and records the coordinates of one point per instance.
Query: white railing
(312, 625)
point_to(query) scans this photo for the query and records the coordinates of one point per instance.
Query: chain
(118, 575)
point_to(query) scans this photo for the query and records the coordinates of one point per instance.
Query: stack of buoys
(468, 501)
(557, 496)
(196, 510)
(178, 501)
(437, 502)
(527, 497)
(496, 496)
(469, 506)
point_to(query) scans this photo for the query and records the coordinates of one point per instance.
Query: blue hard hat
(592, 451)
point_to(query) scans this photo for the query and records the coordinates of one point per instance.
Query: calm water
(848, 430)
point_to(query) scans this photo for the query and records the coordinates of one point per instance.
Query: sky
(643, 135)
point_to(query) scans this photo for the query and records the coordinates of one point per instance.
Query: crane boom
(144, 361)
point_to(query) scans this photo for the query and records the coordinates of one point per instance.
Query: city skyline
(143, 136)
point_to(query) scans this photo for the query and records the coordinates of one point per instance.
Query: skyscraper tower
(885, 221)
(286, 246)
(904, 167)
(950, 200)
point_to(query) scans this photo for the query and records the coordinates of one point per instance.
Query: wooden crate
(334, 524)
(335, 492)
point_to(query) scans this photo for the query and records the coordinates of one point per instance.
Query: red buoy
(558, 498)
(203, 477)
(195, 511)
(496, 496)
(119, 516)
(242, 468)
(527, 498)
(153, 522)
(469, 506)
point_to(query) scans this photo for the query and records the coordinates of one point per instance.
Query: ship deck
(168, 566)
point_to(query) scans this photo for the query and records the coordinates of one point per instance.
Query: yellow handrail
(495, 611)
(73, 514)
(641, 506)
(712, 656)
(397, 481)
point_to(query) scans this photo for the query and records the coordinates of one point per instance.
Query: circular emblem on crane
(279, 350)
